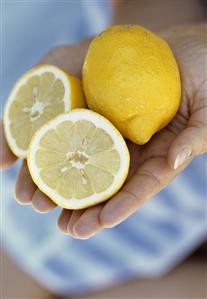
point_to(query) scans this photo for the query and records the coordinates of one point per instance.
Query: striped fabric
(151, 242)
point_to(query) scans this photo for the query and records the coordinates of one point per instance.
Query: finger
(150, 178)
(63, 220)
(193, 139)
(135, 161)
(41, 203)
(25, 187)
(88, 224)
(7, 158)
(73, 219)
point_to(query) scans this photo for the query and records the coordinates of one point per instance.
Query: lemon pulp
(38, 96)
(81, 162)
(36, 102)
(78, 159)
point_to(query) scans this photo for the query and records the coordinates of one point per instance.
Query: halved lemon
(38, 96)
(78, 159)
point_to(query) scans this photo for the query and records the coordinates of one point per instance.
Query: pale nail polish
(182, 157)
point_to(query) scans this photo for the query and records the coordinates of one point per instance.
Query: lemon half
(78, 159)
(38, 96)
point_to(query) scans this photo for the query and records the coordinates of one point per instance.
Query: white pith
(37, 107)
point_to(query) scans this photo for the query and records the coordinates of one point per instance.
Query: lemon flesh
(40, 95)
(78, 159)
(130, 76)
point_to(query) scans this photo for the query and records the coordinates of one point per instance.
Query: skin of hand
(154, 164)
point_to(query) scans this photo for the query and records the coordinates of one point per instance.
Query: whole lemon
(130, 76)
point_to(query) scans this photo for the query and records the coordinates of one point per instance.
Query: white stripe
(186, 196)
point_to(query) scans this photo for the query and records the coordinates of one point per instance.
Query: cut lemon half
(38, 96)
(78, 159)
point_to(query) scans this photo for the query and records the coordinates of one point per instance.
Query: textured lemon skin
(130, 76)
(77, 100)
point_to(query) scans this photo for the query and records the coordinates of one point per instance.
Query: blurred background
(160, 251)
(186, 281)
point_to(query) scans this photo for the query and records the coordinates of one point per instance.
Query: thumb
(192, 140)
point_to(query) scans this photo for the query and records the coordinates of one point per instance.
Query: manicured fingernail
(182, 157)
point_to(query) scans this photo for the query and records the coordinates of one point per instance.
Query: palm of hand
(152, 165)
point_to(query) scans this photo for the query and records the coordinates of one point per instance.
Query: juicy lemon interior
(77, 159)
(37, 101)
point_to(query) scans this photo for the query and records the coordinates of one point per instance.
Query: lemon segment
(38, 96)
(78, 159)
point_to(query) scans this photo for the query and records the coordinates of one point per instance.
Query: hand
(153, 165)
(7, 158)
(70, 58)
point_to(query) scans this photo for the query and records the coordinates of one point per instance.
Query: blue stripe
(173, 200)
(171, 231)
(12, 172)
(134, 236)
(98, 252)
(67, 273)
(166, 198)
(161, 228)
(196, 174)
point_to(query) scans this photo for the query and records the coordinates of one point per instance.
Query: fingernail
(84, 232)
(81, 230)
(182, 157)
